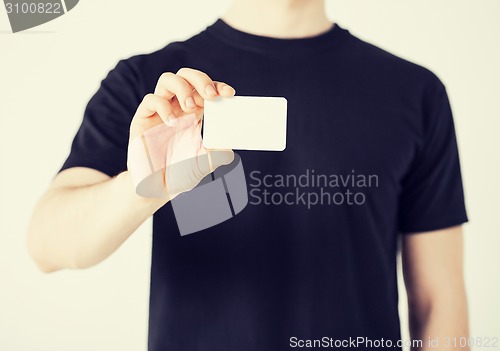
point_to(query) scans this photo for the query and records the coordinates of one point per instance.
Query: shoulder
(379, 63)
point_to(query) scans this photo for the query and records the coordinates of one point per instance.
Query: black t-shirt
(371, 154)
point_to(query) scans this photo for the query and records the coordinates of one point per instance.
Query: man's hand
(177, 95)
(166, 154)
(86, 215)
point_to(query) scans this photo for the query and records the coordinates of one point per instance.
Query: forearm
(440, 324)
(433, 273)
(77, 227)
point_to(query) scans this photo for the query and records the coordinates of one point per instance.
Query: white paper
(245, 123)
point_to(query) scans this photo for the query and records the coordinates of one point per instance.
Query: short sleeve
(432, 195)
(102, 139)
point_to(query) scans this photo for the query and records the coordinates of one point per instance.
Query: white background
(47, 75)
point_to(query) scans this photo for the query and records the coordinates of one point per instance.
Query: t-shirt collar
(314, 44)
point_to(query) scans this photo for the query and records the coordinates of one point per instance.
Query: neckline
(286, 46)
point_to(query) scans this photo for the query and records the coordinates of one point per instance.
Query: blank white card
(245, 123)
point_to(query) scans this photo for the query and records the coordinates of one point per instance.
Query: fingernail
(210, 90)
(227, 88)
(190, 102)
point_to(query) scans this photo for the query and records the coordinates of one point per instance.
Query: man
(278, 276)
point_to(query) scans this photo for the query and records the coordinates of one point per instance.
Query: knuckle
(183, 70)
(165, 76)
(194, 74)
(148, 97)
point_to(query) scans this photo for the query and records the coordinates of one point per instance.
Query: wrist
(124, 182)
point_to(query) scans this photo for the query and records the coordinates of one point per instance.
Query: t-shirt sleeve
(102, 139)
(432, 195)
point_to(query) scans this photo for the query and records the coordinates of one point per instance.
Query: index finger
(203, 84)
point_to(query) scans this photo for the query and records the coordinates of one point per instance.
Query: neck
(278, 18)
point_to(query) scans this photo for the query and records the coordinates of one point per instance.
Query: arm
(86, 215)
(433, 274)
